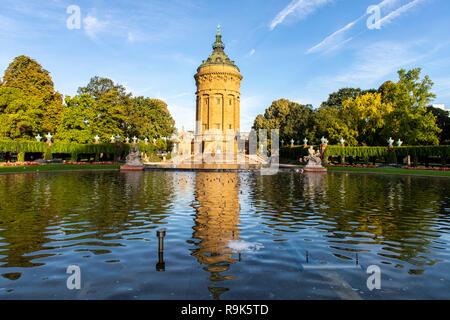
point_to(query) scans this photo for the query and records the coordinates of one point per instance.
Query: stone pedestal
(315, 169)
(134, 162)
(314, 161)
(131, 168)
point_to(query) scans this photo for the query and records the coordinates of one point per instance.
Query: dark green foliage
(295, 154)
(290, 118)
(34, 105)
(48, 154)
(443, 122)
(73, 149)
(391, 157)
(366, 153)
(21, 157)
(29, 105)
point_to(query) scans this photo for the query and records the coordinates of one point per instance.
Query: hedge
(294, 153)
(421, 151)
(416, 153)
(73, 149)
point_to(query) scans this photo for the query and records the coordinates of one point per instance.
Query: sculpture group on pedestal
(133, 160)
(314, 161)
(134, 157)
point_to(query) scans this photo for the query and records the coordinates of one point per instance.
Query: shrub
(21, 157)
(48, 154)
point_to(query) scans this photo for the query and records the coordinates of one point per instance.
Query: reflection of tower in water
(216, 223)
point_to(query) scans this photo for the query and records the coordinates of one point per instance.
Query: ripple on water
(228, 235)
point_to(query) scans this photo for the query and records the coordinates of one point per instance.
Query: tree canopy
(34, 106)
(443, 122)
(29, 105)
(289, 117)
(364, 117)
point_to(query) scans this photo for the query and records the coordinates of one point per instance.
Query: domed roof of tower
(218, 56)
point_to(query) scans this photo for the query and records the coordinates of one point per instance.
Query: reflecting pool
(227, 235)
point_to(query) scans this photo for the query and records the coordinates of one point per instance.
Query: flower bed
(101, 162)
(351, 166)
(430, 169)
(371, 166)
(16, 164)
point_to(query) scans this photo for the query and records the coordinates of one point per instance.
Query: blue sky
(296, 49)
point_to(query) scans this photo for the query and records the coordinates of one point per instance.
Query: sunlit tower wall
(218, 82)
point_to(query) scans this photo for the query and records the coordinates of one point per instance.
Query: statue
(314, 158)
(314, 161)
(134, 157)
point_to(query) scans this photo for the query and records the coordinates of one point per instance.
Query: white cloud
(333, 40)
(131, 37)
(399, 12)
(92, 26)
(300, 8)
(371, 66)
(377, 61)
(338, 38)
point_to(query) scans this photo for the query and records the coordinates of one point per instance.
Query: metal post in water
(161, 265)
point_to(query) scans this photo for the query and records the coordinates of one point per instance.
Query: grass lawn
(59, 167)
(392, 171)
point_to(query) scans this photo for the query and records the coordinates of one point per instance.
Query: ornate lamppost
(342, 141)
(49, 139)
(324, 145)
(390, 143)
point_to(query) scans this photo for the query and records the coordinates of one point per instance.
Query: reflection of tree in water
(216, 223)
(23, 224)
(355, 212)
(399, 213)
(89, 208)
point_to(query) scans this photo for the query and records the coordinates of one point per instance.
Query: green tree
(443, 122)
(20, 115)
(28, 76)
(105, 109)
(410, 120)
(365, 116)
(111, 104)
(80, 122)
(336, 99)
(327, 122)
(291, 118)
(149, 118)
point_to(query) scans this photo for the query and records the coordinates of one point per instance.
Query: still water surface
(228, 235)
